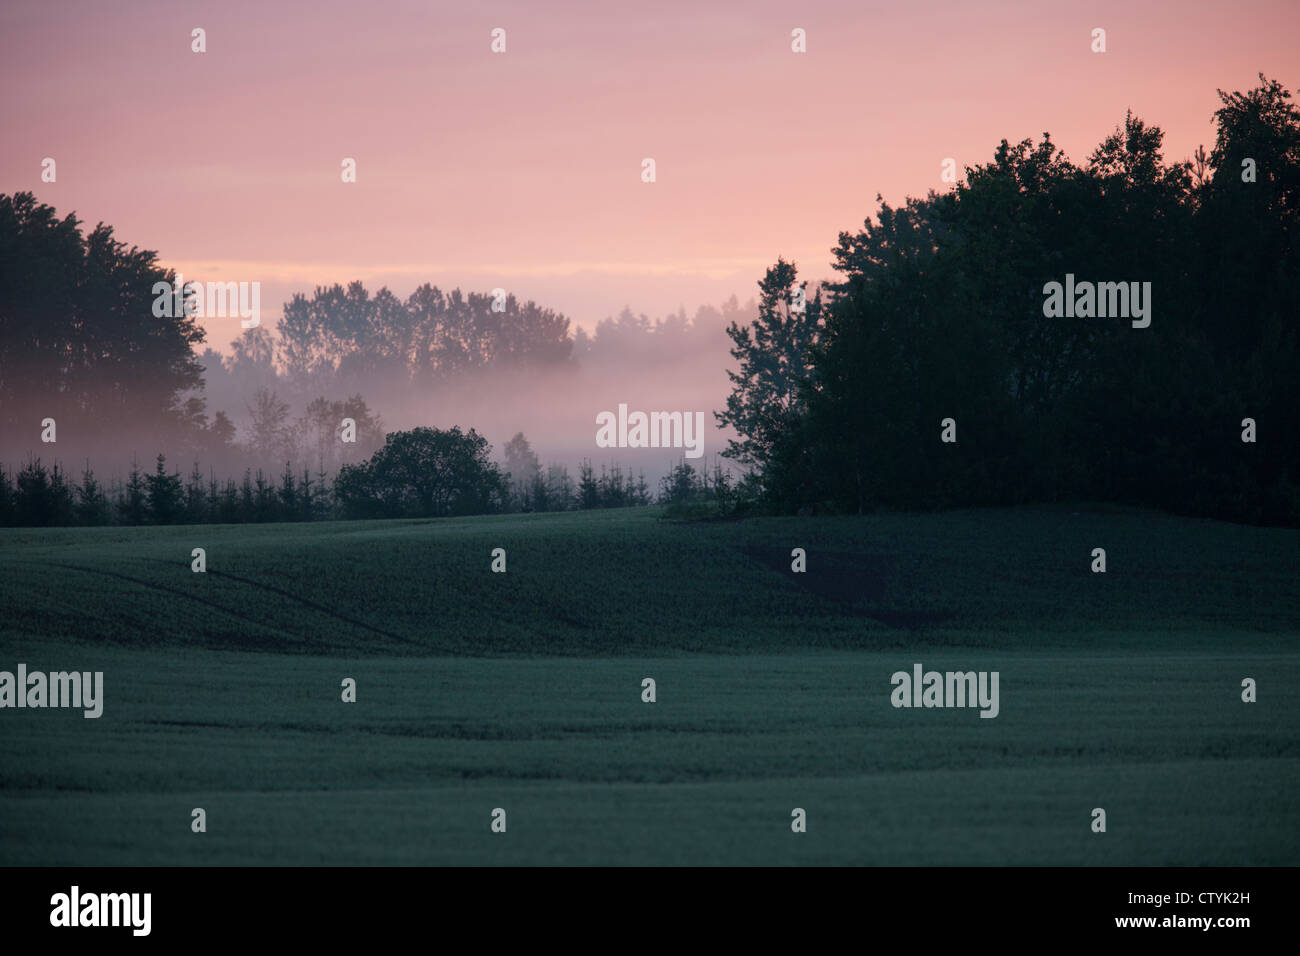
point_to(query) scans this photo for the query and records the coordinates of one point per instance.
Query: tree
(1248, 224)
(42, 497)
(559, 488)
(341, 334)
(266, 504)
(247, 509)
(679, 486)
(539, 494)
(133, 505)
(939, 313)
(92, 503)
(166, 495)
(80, 338)
(522, 467)
(228, 505)
(774, 353)
(6, 499)
(271, 435)
(196, 504)
(321, 425)
(290, 505)
(307, 495)
(610, 488)
(588, 495)
(424, 472)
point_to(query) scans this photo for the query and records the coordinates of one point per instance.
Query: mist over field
(672, 363)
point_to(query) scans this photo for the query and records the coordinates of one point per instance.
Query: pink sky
(522, 169)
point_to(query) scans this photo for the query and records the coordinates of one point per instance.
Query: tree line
(81, 343)
(423, 472)
(842, 395)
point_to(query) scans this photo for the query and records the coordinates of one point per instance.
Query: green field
(523, 691)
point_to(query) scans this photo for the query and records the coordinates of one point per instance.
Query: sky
(523, 170)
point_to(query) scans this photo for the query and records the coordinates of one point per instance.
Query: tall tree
(521, 465)
(84, 337)
(775, 354)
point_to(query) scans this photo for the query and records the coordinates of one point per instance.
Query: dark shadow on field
(863, 585)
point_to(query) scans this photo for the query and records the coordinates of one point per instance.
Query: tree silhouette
(423, 472)
(939, 313)
(79, 338)
(774, 353)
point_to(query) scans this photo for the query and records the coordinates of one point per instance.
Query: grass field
(523, 691)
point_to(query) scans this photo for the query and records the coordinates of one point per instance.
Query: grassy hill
(523, 691)
(624, 582)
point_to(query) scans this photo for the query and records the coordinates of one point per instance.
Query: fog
(672, 363)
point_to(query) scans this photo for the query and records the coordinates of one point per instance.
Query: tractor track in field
(153, 586)
(328, 612)
(305, 602)
(315, 642)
